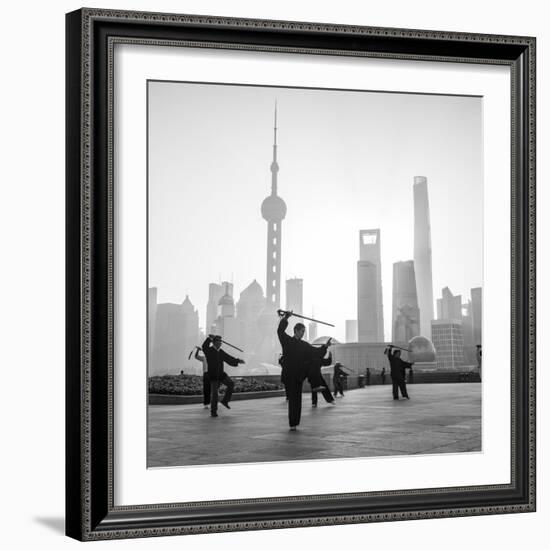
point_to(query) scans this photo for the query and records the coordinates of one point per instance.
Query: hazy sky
(347, 161)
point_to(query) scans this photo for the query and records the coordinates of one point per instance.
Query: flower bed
(190, 384)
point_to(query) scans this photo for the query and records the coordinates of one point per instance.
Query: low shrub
(190, 384)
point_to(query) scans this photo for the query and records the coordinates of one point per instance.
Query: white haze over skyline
(347, 161)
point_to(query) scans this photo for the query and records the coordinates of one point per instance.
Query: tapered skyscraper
(423, 254)
(405, 318)
(274, 212)
(370, 319)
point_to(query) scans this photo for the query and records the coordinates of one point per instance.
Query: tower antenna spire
(275, 136)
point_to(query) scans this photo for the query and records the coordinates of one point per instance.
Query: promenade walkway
(439, 418)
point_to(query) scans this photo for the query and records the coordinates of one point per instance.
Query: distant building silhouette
(226, 324)
(449, 306)
(357, 357)
(405, 312)
(423, 254)
(448, 341)
(351, 330)
(370, 320)
(249, 308)
(176, 332)
(295, 295)
(215, 292)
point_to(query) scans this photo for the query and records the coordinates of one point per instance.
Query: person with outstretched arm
(216, 357)
(397, 372)
(297, 355)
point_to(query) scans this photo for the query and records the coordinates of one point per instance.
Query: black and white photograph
(314, 273)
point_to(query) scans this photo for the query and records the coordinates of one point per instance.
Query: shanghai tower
(423, 254)
(273, 212)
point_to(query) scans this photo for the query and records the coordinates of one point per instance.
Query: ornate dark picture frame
(90, 510)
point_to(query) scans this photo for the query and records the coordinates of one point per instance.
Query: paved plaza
(439, 418)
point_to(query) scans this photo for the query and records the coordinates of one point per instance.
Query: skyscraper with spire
(273, 212)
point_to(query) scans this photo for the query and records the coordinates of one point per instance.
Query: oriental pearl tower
(273, 212)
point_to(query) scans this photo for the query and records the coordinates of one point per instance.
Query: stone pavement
(439, 418)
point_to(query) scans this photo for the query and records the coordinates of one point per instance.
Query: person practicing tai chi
(316, 379)
(205, 379)
(397, 372)
(297, 355)
(338, 378)
(216, 357)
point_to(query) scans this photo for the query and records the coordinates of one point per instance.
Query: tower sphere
(273, 209)
(422, 350)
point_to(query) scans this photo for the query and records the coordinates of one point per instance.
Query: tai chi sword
(282, 312)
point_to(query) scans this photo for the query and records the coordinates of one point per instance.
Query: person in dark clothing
(397, 372)
(297, 355)
(367, 376)
(338, 379)
(316, 377)
(205, 379)
(216, 357)
(383, 375)
(281, 363)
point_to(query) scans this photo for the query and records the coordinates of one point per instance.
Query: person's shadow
(55, 524)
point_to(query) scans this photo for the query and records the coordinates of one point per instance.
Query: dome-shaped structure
(273, 208)
(323, 340)
(421, 349)
(252, 291)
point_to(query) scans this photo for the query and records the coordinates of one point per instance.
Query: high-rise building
(176, 332)
(215, 292)
(226, 304)
(449, 306)
(249, 307)
(477, 317)
(251, 302)
(295, 295)
(190, 335)
(423, 254)
(370, 320)
(405, 313)
(448, 340)
(351, 330)
(274, 212)
(226, 324)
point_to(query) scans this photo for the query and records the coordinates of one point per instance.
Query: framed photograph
(300, 274)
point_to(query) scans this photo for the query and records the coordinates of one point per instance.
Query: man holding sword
(216, 357)
(397, 371)
(297, 356)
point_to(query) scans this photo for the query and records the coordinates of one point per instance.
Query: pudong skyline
(318, 244)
